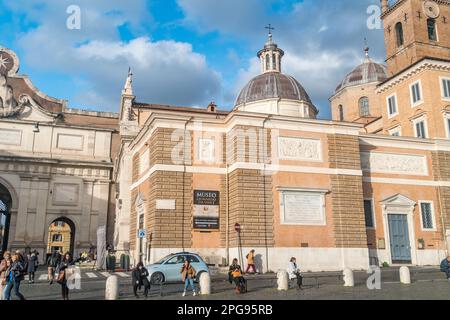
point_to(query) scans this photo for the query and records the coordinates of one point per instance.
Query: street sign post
(141, 233)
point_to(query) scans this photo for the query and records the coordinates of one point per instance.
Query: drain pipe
(265, 189)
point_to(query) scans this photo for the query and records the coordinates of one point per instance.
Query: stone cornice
(426, 64)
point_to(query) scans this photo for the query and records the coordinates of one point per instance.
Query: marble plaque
(11, 137)
(394, 163)
(206, 149)
(65, 194)
(299, 149)
(70, 142)
(303, 208)
(165, 204)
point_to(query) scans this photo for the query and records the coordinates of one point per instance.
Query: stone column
(22, 212)
(82, 235)
(38, 241)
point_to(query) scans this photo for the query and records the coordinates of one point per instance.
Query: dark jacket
(445, 265)
(54, 260)
(139, 276)
(17, 269)
(32, 263)
(233, 267)
(62, 266)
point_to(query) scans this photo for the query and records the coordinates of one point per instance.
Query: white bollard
(112, 288)
(283, 280)
(349, 281)
(405, 276)
(205, 283)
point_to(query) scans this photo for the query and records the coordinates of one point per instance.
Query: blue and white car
(168, 268)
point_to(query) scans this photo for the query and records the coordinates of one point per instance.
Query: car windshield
(164, 259)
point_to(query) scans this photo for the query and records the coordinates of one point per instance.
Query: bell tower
(413, 30)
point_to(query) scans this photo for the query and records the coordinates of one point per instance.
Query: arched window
(399, 34)
(364, 110)
(432, 34)
(267, 62)
(274, 61)
(341, 112)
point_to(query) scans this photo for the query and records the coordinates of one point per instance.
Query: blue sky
(183, 52)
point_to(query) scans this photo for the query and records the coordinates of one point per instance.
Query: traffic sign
(142, 233)
(237, 227)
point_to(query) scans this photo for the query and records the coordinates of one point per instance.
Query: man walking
(251, 261)
(52, 262)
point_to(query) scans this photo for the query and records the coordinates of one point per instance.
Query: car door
(172, 269)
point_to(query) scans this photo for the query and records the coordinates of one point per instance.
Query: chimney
(212, 107)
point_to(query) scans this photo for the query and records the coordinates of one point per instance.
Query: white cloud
(167, 72)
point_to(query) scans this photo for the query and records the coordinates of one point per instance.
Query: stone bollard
(283, 280)
(405, 276)
(205, 283)
(112, 288)
(349, 281)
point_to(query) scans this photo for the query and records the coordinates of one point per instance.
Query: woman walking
(6, 262)
(188, 276)
(14, 275)
(66, 262)
(140, 278)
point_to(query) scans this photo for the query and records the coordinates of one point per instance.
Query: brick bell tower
(413, 30)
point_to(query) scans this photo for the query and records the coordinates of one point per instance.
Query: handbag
(61, 277)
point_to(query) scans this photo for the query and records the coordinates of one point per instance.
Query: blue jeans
(16, 285)
(189, 282)
(7, 290)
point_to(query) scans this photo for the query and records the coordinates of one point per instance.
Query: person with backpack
(445, 267)
(14, 275)
(235, 275)
(188, 275)
(52, 263)
(32, 266)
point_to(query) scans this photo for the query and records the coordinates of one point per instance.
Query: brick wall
(344, 152)
(251, 207)
(441, 172)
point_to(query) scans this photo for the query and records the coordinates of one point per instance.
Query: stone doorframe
(402, 205)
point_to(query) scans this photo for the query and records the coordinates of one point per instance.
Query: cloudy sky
(183, 52)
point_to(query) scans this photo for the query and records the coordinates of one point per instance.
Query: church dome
(273, 92)
(271, 85)
(367, 72)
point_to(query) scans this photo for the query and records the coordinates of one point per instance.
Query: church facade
(371, 186)
(56, 167)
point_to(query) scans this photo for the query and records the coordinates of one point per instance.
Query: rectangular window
(427, 215)
(396, 132)
(416, 94)
(392, 105)
(420, 129)
(141, 221)
(57, 238)
(448, 126)
(446, 88)
(368, 213)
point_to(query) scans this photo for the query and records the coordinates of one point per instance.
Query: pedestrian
(235, 275)
(294, 272)
(62, 269)
(32, 266)
(445, 267)
(14, 275)
(188, 275)
(140, 278)
(251, 261)
(4, 264)
(53, 262)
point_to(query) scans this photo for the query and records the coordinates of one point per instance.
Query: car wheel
(157, 278)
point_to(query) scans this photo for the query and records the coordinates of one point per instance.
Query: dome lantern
(270, 56)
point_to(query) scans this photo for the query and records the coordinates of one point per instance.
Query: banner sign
(206, 210)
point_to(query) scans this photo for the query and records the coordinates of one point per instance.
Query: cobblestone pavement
(427, 284)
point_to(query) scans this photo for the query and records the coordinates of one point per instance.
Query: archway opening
(5, 217)
(61, 236)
